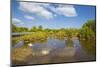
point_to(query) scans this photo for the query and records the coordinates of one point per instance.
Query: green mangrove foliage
(34, 37)
(18, 29)
(35, 29)
(87, 31)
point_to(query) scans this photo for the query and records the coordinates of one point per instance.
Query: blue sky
(49, 15)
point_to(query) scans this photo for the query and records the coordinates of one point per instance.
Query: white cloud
(41, 9)
(66, 10)
(16, 21)
(36, 9)
(29, 17)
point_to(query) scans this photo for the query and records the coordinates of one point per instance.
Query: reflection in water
(55, 51)
(89, 48)
(45, 52)
(69, 43)
(20, 44)
(41, 49)
(30, 44)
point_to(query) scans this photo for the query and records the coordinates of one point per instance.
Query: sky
(51, 15)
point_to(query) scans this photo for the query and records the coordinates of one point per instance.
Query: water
(57, 51)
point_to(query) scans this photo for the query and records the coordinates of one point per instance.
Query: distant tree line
(19, 29)
(87, 31)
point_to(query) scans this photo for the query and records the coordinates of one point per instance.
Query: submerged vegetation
(20, 54)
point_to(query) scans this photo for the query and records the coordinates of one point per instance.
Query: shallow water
(57, 51)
